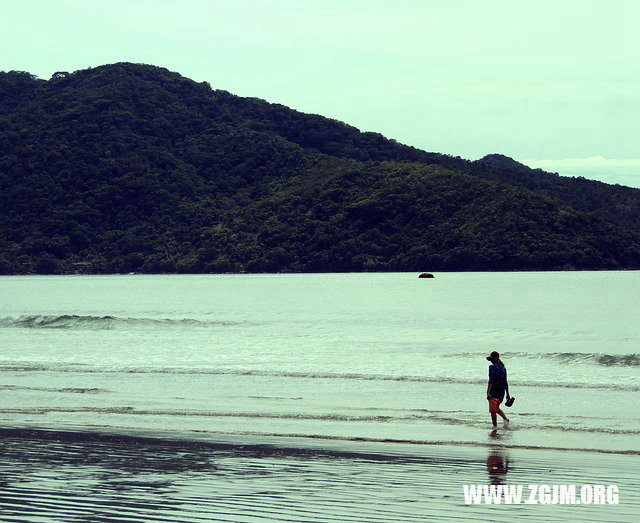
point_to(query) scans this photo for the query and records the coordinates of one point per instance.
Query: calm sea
(311, 361)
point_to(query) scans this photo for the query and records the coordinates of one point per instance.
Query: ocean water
(383, 363)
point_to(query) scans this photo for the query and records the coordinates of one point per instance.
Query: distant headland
(133, 168)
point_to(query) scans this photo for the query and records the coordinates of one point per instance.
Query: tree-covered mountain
(131, 167)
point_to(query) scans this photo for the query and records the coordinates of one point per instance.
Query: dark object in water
(426, 275)
(510, 401)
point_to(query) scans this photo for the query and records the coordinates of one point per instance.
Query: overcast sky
(554, 83)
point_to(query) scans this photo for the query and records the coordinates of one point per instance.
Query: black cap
(494, 356)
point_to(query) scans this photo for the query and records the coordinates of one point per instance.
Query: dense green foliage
(133, 168)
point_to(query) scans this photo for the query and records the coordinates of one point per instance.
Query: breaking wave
(81, 368)
(64, 390)
(609, 360)
(72, 321)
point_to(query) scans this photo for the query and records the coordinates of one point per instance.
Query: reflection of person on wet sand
(497, 387)
(497, 467)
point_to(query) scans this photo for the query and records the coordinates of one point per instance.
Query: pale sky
(552, 81)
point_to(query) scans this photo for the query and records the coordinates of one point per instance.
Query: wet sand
(90, 476)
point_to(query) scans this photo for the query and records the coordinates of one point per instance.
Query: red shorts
(494, 405)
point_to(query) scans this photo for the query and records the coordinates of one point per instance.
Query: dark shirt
(498, 380)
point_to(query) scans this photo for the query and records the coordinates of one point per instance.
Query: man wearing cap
(497, 387)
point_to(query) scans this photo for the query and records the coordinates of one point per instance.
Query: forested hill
(131, 167)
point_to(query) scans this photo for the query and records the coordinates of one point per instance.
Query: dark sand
(80, 476)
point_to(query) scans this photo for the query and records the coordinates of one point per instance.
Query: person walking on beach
(497, 387)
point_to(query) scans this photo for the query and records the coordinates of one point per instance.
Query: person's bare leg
(502, 415)
(494, 419)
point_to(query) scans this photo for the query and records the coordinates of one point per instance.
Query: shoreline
(440, 271)
(289, 442)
